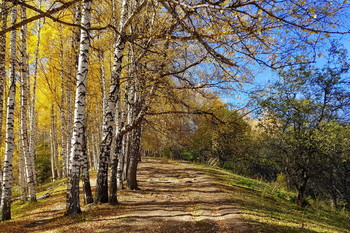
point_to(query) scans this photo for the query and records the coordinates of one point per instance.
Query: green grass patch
(270, 208)
(246, 183)
(18, 208)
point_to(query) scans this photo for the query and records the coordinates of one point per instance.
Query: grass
(272, 209)
(56, 189)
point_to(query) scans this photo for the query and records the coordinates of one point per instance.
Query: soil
(174, 197)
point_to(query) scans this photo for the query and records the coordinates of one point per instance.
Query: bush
(43, 169)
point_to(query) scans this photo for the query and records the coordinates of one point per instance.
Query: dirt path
(173, 197)
(182, 198)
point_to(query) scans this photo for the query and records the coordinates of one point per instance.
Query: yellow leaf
(259, 31)
(312, 10)
(224, 3)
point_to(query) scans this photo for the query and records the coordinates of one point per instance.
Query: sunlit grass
(272, 209)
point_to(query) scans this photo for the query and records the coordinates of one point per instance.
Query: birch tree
(5, 206)
(53, 144)
(73, 203)
(67, 104)
(135, 134)
(85, 173)
(3, 22)
(109, 116)
(22, 177)
(32, 115)
(28, 161)
(63, 114)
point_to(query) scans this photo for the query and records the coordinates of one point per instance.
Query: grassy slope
(270, 209)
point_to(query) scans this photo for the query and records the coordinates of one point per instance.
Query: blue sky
(265, 76)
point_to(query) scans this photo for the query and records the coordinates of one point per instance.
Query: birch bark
(109, 115)
(135, 144)
(5, 207)
(113, 187)
(28, 161)
(86, 176)
(130, 119)
(53, 150)
(32, 115)
(73, 67)
(22, 175)
(77, 142)
(123, 138)
(134, 159)
(3, 21)
(63, 115)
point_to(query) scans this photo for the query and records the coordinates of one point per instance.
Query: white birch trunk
(70, 107)
(22, 175)
(135, 137)
(109, 116)
(32, 116)
(77, 142)
(94, 150)
(90, 147)
(52, 144)
(124, 139)
(69, 125)
(103, 81)
(29, 171)
(120, 166)
(3, 21)
(113, 186)
(130, 119)
(63, 116)
(134, 158)
(5, 207)
(85, 173)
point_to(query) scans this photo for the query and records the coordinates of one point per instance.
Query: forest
(260, 88)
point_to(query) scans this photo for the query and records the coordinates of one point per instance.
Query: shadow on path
(173, 197)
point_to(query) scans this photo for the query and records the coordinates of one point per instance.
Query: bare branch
(271, 14)
(198, 37)
(207, 5)
(193, 112)
(40, 15)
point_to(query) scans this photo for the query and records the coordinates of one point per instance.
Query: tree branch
(40, 15)
(193, 112)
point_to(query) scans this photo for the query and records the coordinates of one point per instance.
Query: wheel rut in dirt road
(180, 197)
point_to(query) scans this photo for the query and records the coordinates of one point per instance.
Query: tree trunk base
(5, 213)
(73, 212)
